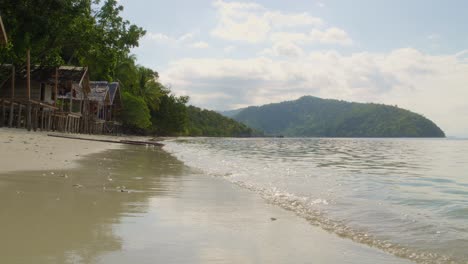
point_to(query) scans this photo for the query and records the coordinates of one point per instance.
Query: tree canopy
(314, 117)
(94, 34)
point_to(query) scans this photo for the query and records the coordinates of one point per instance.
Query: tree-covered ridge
(314, 117)
(212, 124)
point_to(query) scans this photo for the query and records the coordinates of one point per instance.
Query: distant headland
(315, 117)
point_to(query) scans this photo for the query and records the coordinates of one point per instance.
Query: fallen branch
(128, 142)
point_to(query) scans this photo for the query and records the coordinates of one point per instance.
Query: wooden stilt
(56, 86)
(12, 112)
(3, 116)
(28, 116)
(35, 121)
(49, 120)
(28, 89)
(18, 124)
(12, 106)
(41, 113)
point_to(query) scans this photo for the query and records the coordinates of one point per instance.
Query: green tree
(46, 27)
(137, 114)
(171, 117)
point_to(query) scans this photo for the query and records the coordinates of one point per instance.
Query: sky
(232, 54)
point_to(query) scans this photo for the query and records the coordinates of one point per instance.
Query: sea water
(407, 197)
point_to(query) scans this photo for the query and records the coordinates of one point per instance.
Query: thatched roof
(99, 92)
(113, 91)
(3, 35)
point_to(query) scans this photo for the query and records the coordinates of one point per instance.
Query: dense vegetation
(92, 33)
(211, 124)
(315, 117)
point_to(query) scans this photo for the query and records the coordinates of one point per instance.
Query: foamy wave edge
(300, 206)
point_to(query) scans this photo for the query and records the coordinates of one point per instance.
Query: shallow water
(408, 197)
(142, 205)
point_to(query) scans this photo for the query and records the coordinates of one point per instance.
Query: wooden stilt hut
(47, 98)
(27, 100)
(73, 87)
(99, 101)
(105, 106)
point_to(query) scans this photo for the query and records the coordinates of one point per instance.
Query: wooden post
(2, 120)
(41, 114)
(35, 124)
(28, 90)
(71, 98)
(12, 105)
(49, 120)
(56, 86)
(19, 115)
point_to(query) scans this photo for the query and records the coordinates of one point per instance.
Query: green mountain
(208, 123)
(315, 117)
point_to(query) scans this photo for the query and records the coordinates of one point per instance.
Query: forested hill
(211, 124)
(315, 117)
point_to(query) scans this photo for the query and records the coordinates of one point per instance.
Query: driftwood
(128, 142)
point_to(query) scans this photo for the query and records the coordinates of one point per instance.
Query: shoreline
(118, 204)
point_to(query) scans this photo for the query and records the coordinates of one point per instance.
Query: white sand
(21, 150)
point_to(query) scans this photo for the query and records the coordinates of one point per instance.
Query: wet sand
(141, 205)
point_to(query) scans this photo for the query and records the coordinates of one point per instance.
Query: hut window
(43, 91)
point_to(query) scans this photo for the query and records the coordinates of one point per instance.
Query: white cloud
(281, 20)
(186, 37)
(200, 45)
(159, 37)
(163, 38)
(329, 36)
(229, 49)
(283, 49)
(432, 85)
(253, 23)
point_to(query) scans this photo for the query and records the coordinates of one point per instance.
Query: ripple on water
(402, 196)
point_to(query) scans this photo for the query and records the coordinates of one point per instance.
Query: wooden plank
(128, 142)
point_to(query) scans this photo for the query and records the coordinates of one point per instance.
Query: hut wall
(21, 91)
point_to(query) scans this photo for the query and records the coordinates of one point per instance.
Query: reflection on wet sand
(141, 205)
(69, 216)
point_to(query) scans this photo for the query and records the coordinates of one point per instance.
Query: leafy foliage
(314, 117)
(136, 114)
(211, 124)
(93, 33)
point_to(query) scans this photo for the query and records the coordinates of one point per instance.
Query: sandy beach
(67, 201)
(21, 150)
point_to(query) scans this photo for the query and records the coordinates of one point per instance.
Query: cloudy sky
(230, 54)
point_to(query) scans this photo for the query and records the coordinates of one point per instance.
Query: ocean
(407, 197)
